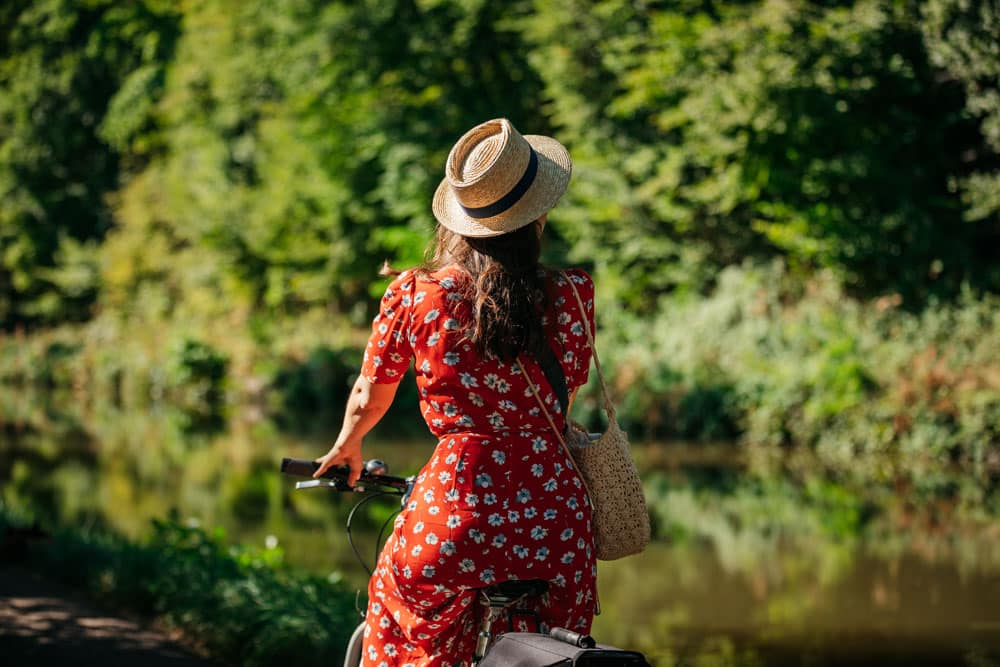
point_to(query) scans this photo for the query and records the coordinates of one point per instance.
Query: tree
(62, 66)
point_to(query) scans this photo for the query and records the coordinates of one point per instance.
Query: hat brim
(551, 181)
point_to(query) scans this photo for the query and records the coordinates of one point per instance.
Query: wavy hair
(506, 288)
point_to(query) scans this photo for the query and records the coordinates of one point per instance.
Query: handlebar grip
(572, 638)
(306, 468)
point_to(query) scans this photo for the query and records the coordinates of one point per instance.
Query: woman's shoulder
(578, 277)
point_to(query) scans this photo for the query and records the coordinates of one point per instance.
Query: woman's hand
(342, 454)
(365, 406)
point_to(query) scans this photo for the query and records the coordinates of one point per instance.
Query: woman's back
(422, 317)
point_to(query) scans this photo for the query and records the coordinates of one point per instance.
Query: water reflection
(757, 564)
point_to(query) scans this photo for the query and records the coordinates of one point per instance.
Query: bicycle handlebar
(306, 468)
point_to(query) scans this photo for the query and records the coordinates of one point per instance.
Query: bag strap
(552, 423)
(554, 374)
(609, 407)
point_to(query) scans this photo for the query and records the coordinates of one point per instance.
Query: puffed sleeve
(576, 346)
(388, 353)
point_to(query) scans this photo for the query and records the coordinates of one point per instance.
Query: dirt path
(42, 623)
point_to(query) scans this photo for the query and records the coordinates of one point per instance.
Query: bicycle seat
(510, 591)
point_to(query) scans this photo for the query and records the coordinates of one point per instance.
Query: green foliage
(61, 63)
(814, 368)
(961, 39)
(239, 604)
(706, 133)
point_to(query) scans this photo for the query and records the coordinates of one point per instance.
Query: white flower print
(539, 533)
(495, 419)
(433, 339)
(451, 358)
(507, 405)
(530, 513)
(419, 297)
(471, 499)
(448, 548)
(523, 495)
(453, 521)
(383, 328)
(542, 553)
(477, 536)
(450, 410)
(431, 538)
(468, 380)
(451, 496)
(499, 540)
(447, 283)
(564, 318)
(513, 516)
(495, 520)
(491, 380)
(499, 457)
(476, 399)
(465, 420)
(451, 324)
(484, 480)
(428, 571)
(568, 557)
(486, 576)
(521, 552)
(418, 527)
(431, 315)
(425, 366)
(415, 551)
(550, 484)
(549, 514)
(537, 469)
(538, 445)
(467, 565)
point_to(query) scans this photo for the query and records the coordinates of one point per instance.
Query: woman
(499, 499)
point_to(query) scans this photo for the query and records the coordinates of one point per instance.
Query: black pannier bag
(528, 649)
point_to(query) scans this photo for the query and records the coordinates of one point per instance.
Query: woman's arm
(365, 406)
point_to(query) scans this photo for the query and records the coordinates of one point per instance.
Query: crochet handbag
(619, 515)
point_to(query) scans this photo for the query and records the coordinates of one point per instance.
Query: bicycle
(559, 647)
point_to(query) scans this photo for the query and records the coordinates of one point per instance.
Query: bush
(240, 605)
(812, 367)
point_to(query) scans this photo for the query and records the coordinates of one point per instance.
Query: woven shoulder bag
(619, 515)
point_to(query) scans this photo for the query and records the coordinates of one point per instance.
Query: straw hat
(497, 180)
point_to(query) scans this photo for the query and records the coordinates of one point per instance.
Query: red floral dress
(498, 499)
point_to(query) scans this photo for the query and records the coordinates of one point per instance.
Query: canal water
(760, 558)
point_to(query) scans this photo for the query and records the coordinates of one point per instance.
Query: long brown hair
(505, 289)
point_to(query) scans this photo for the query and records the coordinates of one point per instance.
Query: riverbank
(237, 605)
(763, 359)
